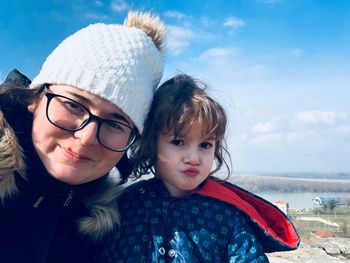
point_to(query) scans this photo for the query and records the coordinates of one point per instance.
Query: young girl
(183, 214)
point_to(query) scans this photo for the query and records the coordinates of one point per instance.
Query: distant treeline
(309, 175)
(258, 184)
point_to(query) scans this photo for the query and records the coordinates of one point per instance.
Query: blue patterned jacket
(196, 228)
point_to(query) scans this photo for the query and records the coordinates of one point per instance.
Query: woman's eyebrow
(114, 115)
(79, 96)
(119, 116)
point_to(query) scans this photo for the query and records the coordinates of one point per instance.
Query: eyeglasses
(69, 115)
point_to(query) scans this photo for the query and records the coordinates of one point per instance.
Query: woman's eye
(206, 145)
(177, 142)
(115, 125)
(73, 106)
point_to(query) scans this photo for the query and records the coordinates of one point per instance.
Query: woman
(60, 138)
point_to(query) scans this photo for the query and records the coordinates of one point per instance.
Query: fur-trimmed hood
(103, 215)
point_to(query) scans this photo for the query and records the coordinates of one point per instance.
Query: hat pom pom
(150, 24)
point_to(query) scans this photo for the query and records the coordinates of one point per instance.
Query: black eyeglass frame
(92, 117)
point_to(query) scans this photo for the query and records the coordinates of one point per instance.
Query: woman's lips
(191, 172)
(74, 155)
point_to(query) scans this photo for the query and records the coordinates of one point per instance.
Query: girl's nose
(192, 157)
(88, 135)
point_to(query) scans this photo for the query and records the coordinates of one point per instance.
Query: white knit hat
(119, 63)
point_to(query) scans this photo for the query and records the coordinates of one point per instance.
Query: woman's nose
(88, 135)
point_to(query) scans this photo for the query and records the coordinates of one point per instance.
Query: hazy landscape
(293, 182)
(324, 229)
(298, 189)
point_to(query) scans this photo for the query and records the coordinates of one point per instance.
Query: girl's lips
(74, 155)
(191, 172)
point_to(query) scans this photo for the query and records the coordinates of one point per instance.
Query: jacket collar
(272, 225)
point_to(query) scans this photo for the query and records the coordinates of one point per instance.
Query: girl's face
(74, 157)
(185, 162)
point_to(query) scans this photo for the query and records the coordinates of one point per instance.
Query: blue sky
(281, 68)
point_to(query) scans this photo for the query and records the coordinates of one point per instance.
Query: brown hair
(177, 105)
(19, 96)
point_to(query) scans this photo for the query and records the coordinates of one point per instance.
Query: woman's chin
(68, 175)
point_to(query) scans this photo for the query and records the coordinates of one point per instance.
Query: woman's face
(74, 157)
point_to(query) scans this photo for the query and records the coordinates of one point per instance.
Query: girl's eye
(206, 145)
(177, 142)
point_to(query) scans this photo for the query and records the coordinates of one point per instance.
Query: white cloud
(267, 138)
(206, 22)
(294, 136)
(344, 129)
(178, 38)
(217, 52)
(95, 16)
(281, 137)
(234, 22)
(98, 3)
(242, 137)
(119, 5)
(259, 70)
(296, 52)
(319, 117)
(266, 127)
(174, 14)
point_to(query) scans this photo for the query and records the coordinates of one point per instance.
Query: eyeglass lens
(70, 115)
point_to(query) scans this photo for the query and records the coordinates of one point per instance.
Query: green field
(340, 216)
